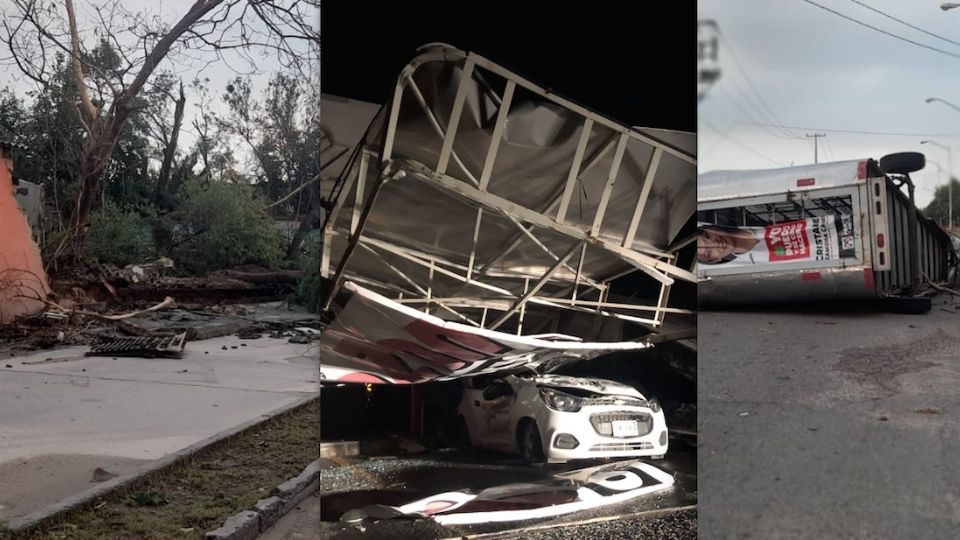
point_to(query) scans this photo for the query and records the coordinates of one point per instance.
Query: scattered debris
(409, 446)
(745, 413)
(102, 475)
(291, 277)
(159, 347)
(929, 410)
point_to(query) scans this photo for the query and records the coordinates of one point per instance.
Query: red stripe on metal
(862, 170)
(811, 276)
(801, 182)
(868, 278)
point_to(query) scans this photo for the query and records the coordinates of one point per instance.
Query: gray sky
(820, 72)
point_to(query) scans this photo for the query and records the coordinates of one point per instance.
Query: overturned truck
(481, 223)
(847, 230)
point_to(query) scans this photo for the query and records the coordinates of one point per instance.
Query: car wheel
(462, 434)
(531, 449)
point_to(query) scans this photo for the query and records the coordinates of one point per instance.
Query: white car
(558, 418)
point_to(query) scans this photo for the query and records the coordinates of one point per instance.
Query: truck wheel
(903, 162)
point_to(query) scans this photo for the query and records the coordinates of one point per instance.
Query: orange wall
(21, 269)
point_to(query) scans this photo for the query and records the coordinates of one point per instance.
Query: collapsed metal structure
(483, 198)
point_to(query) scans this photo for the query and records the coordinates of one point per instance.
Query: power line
(882, 31)
(736, 62)
(829, 148)
(753, 118)
(741, 144)
(863, 132)
(905, 23)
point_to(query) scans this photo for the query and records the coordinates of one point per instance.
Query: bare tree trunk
(171, 148)
(103, 131)
(309, 222)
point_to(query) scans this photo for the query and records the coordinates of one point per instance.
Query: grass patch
(195, 495)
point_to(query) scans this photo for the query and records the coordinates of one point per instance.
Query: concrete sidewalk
(63, 415)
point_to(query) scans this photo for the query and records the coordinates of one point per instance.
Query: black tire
(461, 434)
(903, 162)
(910, 306)
(528, 440)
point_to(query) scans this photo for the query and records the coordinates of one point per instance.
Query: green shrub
(221, 225)
(119, 236)
(308, 289)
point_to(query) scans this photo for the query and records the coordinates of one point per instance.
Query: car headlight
(560, 401)
(654, 405)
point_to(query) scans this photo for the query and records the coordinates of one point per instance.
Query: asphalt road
(829, 425)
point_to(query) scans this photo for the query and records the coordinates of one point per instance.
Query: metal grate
(147, 347)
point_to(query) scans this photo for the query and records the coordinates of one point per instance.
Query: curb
(248, 524)
(78, 500)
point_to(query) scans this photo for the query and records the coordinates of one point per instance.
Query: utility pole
(815, 137)
(708, 65)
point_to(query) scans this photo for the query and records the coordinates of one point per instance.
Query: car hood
(599, 386)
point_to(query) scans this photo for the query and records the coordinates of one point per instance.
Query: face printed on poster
(824, 238)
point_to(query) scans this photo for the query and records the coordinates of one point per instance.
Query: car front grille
(603, 422)
(621, 447)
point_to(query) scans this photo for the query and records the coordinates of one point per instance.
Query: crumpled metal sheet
(573, 491)
(376, 340)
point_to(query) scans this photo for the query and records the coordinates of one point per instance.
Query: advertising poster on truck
(823, 238)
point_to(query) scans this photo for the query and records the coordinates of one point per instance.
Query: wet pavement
(830, 424)
(347, 484)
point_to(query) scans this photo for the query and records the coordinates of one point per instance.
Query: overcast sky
(802, 66)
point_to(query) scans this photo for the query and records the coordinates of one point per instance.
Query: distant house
(23, 282)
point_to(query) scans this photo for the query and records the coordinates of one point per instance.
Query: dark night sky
(634, 65)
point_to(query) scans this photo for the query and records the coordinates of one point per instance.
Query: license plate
(625, 428)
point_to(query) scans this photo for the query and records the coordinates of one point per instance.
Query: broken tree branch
(82, 89)
(167, 302)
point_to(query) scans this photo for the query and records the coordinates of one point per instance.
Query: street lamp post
(949, 180)
(945, 102)
(939, 179)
